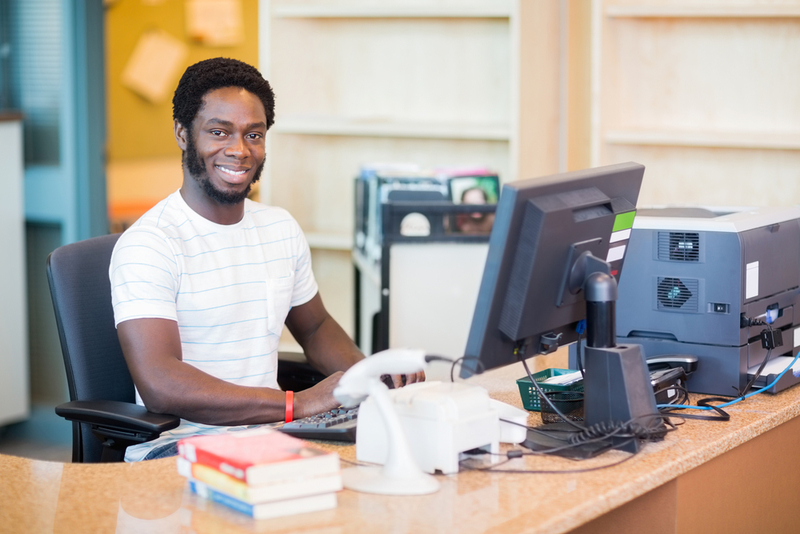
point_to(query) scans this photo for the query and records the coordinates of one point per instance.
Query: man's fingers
(415, 377)
(398, 381)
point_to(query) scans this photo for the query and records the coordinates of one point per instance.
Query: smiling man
(203, 283)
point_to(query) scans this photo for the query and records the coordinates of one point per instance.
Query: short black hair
(216, 73)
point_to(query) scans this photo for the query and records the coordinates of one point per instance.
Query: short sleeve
(305, 285)
(144, 276)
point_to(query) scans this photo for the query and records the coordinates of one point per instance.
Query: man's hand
(317, 399)
(398, 381)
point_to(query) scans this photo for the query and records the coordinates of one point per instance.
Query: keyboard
(338, 424)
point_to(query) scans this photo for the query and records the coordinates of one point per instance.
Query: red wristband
(289, 406)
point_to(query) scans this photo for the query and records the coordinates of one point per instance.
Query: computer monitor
(558, 242)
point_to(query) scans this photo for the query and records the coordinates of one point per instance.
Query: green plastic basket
(530, 397)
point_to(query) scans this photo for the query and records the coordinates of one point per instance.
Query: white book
(256, 494)
(313, 503)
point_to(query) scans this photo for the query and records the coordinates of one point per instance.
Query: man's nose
(236, 147)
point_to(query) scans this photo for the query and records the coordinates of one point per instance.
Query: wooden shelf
(768, 141)
(496, 9)
(379, 128)
(721, 10)
(325, 241)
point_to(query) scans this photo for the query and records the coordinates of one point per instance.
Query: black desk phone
(670, 370)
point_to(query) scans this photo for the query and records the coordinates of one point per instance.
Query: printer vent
(677, 294)
(679, 246)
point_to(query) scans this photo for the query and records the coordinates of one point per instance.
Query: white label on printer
(620, 235)
(615, 253)
(751, 281)
(797, 337)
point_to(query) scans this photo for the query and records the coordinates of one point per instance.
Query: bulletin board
(139, 118)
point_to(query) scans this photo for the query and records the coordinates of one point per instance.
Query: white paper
(775, 366)
(563, 380)
(751, 281)
(215, 22)
(153, 68)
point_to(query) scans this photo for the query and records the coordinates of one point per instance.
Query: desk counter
(704, 477)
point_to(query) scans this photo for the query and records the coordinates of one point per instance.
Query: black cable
(494, 469)
(627, 429)
(758, 373)
(479, 368)
(579, 351)
(545, 398)
(722, 415)
(683, 398)
(543, 430)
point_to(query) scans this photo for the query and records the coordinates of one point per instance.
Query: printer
(699, 281)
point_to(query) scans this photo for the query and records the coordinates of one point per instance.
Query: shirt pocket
(279, 302)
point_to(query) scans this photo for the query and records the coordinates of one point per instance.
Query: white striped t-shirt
(229, 287)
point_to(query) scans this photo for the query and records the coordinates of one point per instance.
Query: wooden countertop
(38, 496)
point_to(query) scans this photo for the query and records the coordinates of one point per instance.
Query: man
(203, 283)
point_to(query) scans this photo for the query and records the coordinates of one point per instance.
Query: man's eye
(255, 136)
(217, 132)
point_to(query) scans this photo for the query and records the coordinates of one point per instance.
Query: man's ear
(181, 135)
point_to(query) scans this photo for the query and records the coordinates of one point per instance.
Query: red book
(259, 456)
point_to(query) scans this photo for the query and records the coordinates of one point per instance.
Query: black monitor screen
(548, 235)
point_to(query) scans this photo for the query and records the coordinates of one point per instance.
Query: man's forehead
(222, 95)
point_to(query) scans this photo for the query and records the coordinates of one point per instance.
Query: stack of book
(262, 473)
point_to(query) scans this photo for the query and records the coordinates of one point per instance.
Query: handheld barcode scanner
(400, 475)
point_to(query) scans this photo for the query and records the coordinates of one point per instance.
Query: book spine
(231, 467)
(208, 493)
(221, 481)
(280, 489)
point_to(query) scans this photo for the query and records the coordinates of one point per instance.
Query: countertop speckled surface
(38, 496)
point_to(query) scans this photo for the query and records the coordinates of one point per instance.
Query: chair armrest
(123, 416)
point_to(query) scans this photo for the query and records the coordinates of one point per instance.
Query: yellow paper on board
(215, 22)
(153, 68)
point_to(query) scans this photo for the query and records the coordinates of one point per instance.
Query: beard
(198, 171)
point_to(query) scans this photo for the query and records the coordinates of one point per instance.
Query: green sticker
(623, 221)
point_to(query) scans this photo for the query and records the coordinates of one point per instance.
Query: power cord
(545, 398)
(580, 329)
(704, 406)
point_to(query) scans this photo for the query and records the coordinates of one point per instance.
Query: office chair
(102, 398)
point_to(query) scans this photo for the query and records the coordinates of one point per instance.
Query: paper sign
(154, 66)
(615, 253)
(622, 235)
(751, 280)
(215, 22)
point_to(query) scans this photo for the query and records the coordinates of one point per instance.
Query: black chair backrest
(95, 366)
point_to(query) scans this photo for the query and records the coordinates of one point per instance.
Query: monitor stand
(616, 384)
(617, 388)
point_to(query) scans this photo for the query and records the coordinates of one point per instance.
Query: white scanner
(440, 420)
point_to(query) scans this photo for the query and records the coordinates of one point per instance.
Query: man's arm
(327, 346)
(152, 350)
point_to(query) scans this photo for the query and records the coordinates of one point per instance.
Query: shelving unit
(497, 9)
(432, 82)
(703, 94)
(384, 128)
(764, 141)
(698, 10)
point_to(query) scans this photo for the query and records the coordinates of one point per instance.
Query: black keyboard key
(338, 424)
